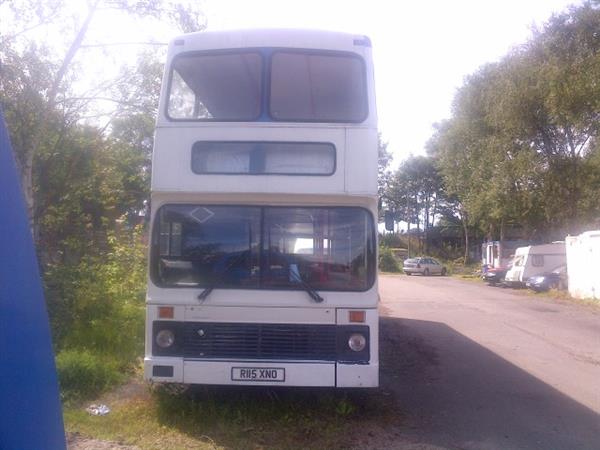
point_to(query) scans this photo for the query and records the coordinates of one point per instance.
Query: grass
(232, 417)
(83, 374)
(563, 297)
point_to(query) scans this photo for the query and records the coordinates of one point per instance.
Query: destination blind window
(263, 158)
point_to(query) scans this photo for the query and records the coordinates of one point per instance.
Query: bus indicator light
(166, 312)
(356, 316)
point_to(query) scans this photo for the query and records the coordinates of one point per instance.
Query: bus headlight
(357, 342)
(165, 338)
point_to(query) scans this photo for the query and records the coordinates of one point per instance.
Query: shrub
(98, 303)
(85, 374)
(96, 308)
(387, 262)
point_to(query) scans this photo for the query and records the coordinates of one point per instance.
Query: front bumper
(325, 374)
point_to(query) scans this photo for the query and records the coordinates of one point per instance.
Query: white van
(535, 260)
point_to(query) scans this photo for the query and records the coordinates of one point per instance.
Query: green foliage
(384, 158)
(85, 174)
(96, 308)
(82, 373)
(515, 148)
(84, 185)
(387, 262)
(415, 191)
(345, 407)
(97, 304)
(391, 240)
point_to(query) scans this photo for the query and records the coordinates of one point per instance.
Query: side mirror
(389, 220)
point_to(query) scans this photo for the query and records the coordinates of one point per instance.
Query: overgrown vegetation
(85, 174)
(239, 417)
(97, 313)
(86, 374)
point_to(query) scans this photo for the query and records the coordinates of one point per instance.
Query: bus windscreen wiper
(294, 277)
(312, 292)
(206, 292)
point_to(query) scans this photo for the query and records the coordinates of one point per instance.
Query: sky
(422, 50)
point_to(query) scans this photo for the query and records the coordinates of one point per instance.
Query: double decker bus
(263, 254)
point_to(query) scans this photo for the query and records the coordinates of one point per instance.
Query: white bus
(263, 256)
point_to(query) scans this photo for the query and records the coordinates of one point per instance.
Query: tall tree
(384, 158)
(415, 192)
(47, 81)
(515, 147)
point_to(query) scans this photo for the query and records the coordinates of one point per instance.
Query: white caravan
(583, 264)
(535, 260)
(499, 254)
(263, 257)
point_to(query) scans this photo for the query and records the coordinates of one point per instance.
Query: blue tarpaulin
(30, 410)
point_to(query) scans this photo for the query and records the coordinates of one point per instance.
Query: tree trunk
(40, 131)
(464, 220)
(408, 236)
(426, 225)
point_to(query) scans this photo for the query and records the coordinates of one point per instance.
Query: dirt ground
(77, 442)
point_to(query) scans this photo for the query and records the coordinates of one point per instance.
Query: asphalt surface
(479, 367)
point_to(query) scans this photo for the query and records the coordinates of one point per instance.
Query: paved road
(478, 367)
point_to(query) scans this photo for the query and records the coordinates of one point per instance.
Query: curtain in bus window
(310, 86)
(216, 86)
(268, 158)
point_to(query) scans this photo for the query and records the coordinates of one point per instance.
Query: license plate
(257, 374)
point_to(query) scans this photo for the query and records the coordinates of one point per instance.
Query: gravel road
(478, 367)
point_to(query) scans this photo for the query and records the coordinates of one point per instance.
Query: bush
(84, 374)
(98, 303)
(96, 308)
(387, 262)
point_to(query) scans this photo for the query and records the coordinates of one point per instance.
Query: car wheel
(408, 273)
(443, 271)
(426, 272)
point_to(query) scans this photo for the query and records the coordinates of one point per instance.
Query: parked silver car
(424, 266)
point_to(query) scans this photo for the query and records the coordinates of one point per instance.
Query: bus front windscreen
(264, 247)
(216, 87)
(301, 86)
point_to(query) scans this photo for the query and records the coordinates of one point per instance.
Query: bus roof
(253, 38)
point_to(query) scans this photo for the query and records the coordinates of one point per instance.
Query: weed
(345, 407)
(83, 374)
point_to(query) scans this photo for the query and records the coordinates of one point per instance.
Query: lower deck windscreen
(263, 247)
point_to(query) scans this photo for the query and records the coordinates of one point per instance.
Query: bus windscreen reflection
(264, 247)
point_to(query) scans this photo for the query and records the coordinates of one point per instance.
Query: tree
(384, 158)
(51, 92)
(415, 192)
(514, 150)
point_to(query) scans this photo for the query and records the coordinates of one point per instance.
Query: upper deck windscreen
(216, 87)
(299, 86)
(317, 87)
